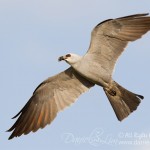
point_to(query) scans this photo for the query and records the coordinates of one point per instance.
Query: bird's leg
(110, 90)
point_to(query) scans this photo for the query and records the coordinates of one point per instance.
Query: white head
(70, 58)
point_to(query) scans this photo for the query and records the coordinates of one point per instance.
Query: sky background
(33, 34)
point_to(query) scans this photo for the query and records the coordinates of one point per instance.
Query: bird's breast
(93, 72)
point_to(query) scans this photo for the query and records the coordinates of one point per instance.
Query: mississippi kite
(108, 40)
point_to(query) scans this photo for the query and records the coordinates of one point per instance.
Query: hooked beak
(61, 58)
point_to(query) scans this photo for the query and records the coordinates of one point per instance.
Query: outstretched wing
(110, 37)
(50, 97)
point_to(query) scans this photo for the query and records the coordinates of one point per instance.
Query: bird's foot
(111, 92)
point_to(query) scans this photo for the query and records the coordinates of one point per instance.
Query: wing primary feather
(134, 16)
(30, 124)
(16, 126)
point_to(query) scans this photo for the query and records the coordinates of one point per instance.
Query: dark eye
(68, 55)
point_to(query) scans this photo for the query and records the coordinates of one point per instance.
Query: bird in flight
(108, 40)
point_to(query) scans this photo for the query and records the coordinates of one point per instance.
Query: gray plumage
(108, 40)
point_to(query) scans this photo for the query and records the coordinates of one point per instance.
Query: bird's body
(108, 40)
(86, 69)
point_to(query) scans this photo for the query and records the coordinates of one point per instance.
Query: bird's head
(70, 58)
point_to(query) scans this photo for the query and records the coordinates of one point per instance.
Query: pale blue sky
(33, 34)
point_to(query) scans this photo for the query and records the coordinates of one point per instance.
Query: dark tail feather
(123, 101)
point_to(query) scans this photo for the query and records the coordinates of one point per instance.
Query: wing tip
(11, 137)
(11, 129)
(16, 116)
